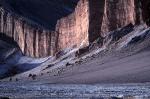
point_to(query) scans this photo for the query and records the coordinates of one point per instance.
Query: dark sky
(45, 12)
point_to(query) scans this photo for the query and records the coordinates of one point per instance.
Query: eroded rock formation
(90, 20)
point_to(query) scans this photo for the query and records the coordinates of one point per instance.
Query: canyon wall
(90, 20)
(108, 15)
(117, 13)
(97, 18)
(32, 39)
(73, 29)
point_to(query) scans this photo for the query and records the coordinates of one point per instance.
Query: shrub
(30, 75)
(10, 79)
(33, 76)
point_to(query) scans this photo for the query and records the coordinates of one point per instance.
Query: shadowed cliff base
(8, 40)
(12, 60)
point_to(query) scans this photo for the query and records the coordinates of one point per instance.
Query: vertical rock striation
(32, 39)
(117, 13)
(108, 15)
(73, 29)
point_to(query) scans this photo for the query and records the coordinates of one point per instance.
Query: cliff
(73, 29)
(97, 18)
(33, 40)
(45, 13)
(117, 13)
(33, 27)
(74, 25)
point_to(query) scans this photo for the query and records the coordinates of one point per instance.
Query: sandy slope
(128, 64)
(12, 61)
(135, 68)
(127, 60)
(119, 67)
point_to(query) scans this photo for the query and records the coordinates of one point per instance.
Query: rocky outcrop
(33, 40)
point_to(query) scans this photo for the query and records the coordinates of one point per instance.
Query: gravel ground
(19, 90)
